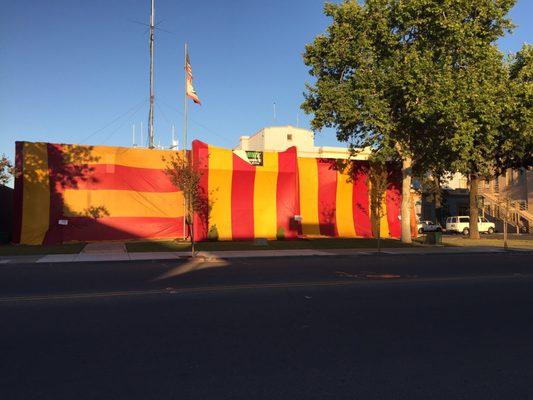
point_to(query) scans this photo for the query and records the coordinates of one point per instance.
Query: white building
(280, 138)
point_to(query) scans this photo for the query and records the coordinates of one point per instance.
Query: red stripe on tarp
(121, 228)
(361, 209)
(200, 154)
(327, 196)
(17, 195)
(287, 205)
(121, 177)
(393, 197)
(60, 176)
(242, 199)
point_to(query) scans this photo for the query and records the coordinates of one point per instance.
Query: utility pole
(151, 112)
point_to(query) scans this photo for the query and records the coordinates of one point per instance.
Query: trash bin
(433, 238)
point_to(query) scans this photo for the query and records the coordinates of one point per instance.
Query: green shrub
(212, 235)
(281, 233)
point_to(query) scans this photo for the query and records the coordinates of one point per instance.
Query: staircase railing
(498, 204)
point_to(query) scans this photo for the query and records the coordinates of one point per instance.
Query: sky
(76, 71)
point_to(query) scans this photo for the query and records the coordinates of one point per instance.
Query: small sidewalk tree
(186, 178)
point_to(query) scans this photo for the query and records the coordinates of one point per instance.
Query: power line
(193, 120)
(158, 108)
(113, 121)
(123, 123)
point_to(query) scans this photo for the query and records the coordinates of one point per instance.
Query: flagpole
(185, 102)
(184, 145)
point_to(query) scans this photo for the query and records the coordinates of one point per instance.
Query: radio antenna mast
(152, 97)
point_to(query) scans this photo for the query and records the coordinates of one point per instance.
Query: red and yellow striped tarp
(102, 192)
(247, 201)
(288, 196)
(93, 193)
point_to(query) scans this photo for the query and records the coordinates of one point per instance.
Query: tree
(482, 94)
(388, 73)
(186, 177)
(515, 145)
(7, 170)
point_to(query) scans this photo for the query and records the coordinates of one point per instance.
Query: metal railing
(499, 205)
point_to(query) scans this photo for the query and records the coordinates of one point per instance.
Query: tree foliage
(186, 177)
(7, 170)
(515, 145)
(419, 79)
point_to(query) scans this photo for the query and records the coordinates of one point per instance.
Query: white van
(461, 224)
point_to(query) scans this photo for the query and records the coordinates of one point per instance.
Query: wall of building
(94, 193)
(287, 196)
(280, 138)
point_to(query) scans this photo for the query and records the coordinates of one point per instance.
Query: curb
(70, 258)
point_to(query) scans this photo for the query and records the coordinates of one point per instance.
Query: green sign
(255, 157)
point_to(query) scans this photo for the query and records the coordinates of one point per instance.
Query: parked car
(461, 224)
(428, 226)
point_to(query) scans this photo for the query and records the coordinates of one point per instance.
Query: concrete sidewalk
(119, 253)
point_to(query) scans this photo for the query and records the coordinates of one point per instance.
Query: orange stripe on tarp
(121, 228)
(200, 156)
(327, 189)
(361, 209)
(393, 196)
(287, 205)
(120, 177)
(242, 199)
(36, 193)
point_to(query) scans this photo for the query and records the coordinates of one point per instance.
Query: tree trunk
(438, 204)
(192, 239)
(379, 239)
(405, 211)
(474, 211)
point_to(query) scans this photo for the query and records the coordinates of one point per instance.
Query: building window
(289, 137)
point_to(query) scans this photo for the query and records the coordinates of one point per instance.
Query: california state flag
(189, 90)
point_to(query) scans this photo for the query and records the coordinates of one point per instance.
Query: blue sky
(69, 68)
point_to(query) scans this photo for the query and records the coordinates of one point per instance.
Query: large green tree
(388, 73)
(515, 144)
(482, 94)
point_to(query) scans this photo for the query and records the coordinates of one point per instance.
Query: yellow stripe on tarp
(35, 194)
(112, 155)
(384, 221)
(265, 203)
(308, 181)
(122, 203)
(219, 188)
(344, 206)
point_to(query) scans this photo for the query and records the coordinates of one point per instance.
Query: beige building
(280, 138)
(507, 196)
(510, 193)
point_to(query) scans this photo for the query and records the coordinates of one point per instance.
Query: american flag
(189, 87)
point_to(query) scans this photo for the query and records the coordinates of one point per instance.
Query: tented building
(71, 193)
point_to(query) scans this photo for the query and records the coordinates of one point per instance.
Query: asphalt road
(394, 327)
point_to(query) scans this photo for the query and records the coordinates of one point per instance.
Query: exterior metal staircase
(497, 205)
